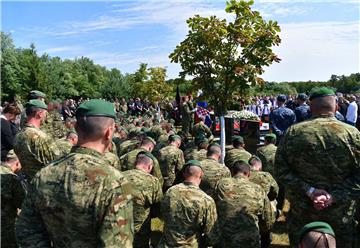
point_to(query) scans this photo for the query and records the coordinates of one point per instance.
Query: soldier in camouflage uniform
(188, 213)
(186, 116)
(128, 145)
(238, 153)
(147, 194)
(271, 189)
(240, 203)
(33, 95)
(171, 160)
(267, 153)
(53, 123)
(201, 129)
(35, 148)
(213, 170)
(79, 200)
(12, 195)
(318, 162)
(66, 144)
(127, 161)
(200, 153)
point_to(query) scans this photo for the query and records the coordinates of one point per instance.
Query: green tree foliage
(227, 57)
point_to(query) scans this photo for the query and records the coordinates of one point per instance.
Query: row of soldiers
(104, 190)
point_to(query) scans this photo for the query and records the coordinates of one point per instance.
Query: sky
(319, 37)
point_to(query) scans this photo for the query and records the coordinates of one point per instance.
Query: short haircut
(213, 149)
(142, 158)
(192, 170)
(11, 109)
(71, 135)
(270, 140)
(93, 127)
(31, 111)
(326, 103)
(316, 239)
(253, 160)
(146, 141)
(237, 143)
(240, 167)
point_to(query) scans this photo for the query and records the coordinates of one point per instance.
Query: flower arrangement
(244, 115)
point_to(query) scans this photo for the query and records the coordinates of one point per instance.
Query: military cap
(302, 97)
(281, 98)
(192, 162)
(174, 137)
(147, 154)
(96, 107)
(238, 139)
(215, 144)
(36, 103)
(321, 92)
(36, 93)
(71, 131)
(316, 226)
(204, 141)
(270, 136)
(11, 155)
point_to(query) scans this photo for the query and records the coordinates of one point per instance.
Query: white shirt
(351, 114)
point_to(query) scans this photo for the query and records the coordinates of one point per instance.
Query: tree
(226, 58)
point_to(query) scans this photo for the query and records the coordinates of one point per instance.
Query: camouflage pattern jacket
(213, 172)
(128, 160)
(77, 201)
(147, 194)
(267, 183)
(267, 156)
(240, 203)
(236, 154)
(34, 149)
(12, 195)
(171, 161)
(188, 213)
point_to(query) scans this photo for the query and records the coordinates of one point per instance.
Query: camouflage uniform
(12, 195)
(187, 213)
(54, 125)
(128, 160)
(113, 160)
(239, 203)
(302, 112)
(171, 161)
(267, 183)
(147, 194)
(213, 172)
(77, 201)
(197, 155)
(34, 149)
(64, 146)
(127, 146)
(323, 153)
(186, 118)
(267, 156)
(201, 129)
(236, 154)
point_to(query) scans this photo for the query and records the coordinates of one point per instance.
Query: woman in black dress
(8, 129)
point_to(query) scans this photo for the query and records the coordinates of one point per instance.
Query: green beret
(71, 131)
(238, 139)
(174, 137)
(36, 103)
(317, 226)
(204, 141)
(321, 92)
(96, 107)
(11, 155)
(214, 144)
(147, 154)
(37, 93)
(270, 136)
(192, 162)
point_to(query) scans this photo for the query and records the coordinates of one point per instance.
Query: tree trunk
(222, 138)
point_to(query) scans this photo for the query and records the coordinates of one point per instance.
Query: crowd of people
(93, 173)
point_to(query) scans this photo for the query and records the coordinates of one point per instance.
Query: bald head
(214, 151)
(314, 239)
(323, 105)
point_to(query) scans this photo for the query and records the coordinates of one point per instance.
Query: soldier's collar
(30, 125)
(240, 176)
(85, 150)
(190, 184)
